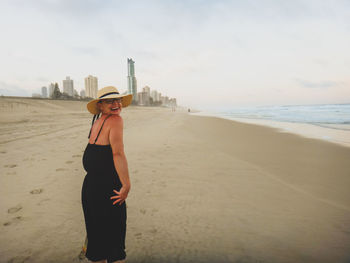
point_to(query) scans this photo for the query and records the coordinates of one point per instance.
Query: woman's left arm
(119, 159)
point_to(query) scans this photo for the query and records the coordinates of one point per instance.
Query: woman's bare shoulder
(115, 120)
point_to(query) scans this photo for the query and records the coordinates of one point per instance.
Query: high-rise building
(155, 95)
(44, 92)
(68, 86)
(82, 93)
(147, 90)
(143, 99)
(132, 84)
(51, 89)
(165, 100)
(91, 86)
(159, 95)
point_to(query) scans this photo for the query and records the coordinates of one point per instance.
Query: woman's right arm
(119, 159)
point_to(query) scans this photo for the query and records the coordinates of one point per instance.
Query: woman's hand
(121, 195)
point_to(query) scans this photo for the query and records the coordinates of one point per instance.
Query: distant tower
(82, 93)
(51, 89)
(44, 92)
(132, 84)
(91, 86)
(68, 86)
(147, 90)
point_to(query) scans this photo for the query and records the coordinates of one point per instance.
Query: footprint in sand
(19, 259)
(69, 162)
(14, 209)
(37, 191)
(60, 169)
(76, 155)
(3, 152)
(14, 220)
(142, 211)
(10, 165)
(138, 235)
(11, 173)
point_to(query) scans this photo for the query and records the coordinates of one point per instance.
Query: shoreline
(334, 133)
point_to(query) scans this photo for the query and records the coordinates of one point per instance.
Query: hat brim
(92, 105)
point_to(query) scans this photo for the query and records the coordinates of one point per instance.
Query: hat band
(110, 93)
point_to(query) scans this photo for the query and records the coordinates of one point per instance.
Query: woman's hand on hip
(120, 196)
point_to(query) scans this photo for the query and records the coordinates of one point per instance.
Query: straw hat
(109, 92)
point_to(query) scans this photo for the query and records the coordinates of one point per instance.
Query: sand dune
(203, 189)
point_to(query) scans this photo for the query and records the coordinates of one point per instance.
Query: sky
(207, 54)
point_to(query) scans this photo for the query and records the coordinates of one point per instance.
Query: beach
(204, 189)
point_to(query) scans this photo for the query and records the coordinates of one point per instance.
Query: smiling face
(110, 106)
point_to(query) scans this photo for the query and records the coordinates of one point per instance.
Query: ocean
(312, 114)
(327, 121)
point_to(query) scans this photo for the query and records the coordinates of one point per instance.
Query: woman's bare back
(103, 137)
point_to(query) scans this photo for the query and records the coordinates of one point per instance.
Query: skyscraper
(132, 84)
(51, 89)
(147, 90)
(82, 93)
(143, 98)
(154, 95)
(44, 92)
(91, 86)
(68, 86)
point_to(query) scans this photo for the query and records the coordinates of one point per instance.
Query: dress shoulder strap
(101, 128)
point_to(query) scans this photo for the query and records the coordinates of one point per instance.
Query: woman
(106, 184)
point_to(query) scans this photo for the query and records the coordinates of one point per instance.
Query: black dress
(105, 223)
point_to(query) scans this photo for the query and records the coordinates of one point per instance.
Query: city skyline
(146, 97)
(205, 53)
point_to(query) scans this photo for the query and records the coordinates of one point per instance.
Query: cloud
(319, 85)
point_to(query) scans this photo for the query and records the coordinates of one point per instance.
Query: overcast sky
(204, 53)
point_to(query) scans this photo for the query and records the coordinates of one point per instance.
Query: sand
(204, 189)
